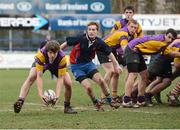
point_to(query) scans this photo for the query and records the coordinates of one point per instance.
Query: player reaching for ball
(51, 58)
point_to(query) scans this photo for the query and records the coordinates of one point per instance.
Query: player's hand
(118, 69)
(54, 101)
(44, 100)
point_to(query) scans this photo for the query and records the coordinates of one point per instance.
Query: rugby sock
(126, 99)
(114, 94)
(21, 99)
(109, 98)
(66, 104)
(94, 100)
(134, 96)
(148, 95)
(176, 90)
(140, 99)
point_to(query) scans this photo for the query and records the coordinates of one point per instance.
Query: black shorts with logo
(135, 61)
(160, 66)
(103, 58)
(52, 71)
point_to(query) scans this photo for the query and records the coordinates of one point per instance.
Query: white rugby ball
(50, 94)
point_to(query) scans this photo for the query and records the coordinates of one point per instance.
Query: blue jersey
(84, 49)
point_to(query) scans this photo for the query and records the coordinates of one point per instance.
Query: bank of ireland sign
(69, 22)
(97, 6)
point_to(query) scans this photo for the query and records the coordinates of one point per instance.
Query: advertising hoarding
(30, 7)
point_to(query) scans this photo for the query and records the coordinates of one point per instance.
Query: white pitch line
(43, 107)
(7, 110)
(77, 108)
(81, 108)
(146, 112)
(56, 106)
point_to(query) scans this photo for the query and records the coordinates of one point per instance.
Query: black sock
(66, 104)
(109, 98)
(94, 101)
(21, 100)
(126, 99)
(140, 99)
(148, 95)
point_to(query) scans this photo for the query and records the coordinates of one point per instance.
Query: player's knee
(132, 75)
(101, 81)
(167, 82)
(31, 79)
(116, 74)
(110, 73)
(67, 84)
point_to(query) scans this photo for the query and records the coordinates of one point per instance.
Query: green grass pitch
(36, 116)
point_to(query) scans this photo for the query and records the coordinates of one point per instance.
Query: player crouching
(51, 58)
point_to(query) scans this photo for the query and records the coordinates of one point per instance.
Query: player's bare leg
(25, 90)
(67, 94)
(100, 81)
(86, 84)
(111, 77)
(141, 87)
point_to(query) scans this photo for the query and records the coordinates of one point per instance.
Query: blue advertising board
(58, 22)
(68, 22)
(18, 7)
(30, 7)
(35, 22)
(76, 6)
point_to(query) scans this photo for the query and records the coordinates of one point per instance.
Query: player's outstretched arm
(174, 42)
(175, 54)
(40, 87)
(59, 85)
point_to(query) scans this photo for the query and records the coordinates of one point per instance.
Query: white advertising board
(25, 60)
(16, 60)
(158, 22)
(22, 60)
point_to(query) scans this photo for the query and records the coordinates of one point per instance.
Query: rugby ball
(50, 94)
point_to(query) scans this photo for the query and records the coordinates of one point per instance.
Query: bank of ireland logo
(24, 6)
(97, 6)
(108, 22)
